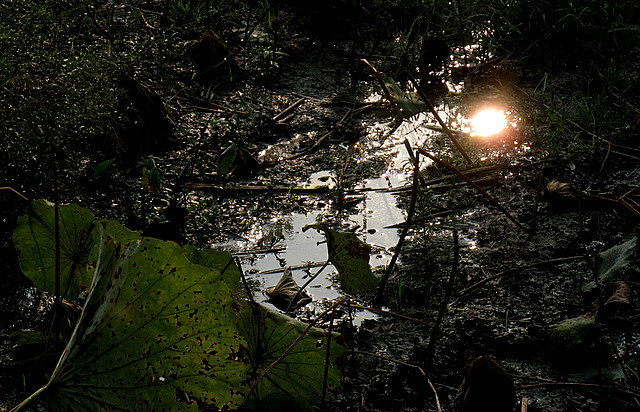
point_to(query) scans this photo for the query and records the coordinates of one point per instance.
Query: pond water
(304, 252)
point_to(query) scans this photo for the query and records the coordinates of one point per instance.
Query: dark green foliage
(161, 328)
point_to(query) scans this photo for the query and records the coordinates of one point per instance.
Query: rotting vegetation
(128, 109)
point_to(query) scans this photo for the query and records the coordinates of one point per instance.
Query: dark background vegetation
(70, 99)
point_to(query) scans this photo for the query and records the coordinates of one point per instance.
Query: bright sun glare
(488, 122)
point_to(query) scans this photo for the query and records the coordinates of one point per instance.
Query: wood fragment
(257, 188)
(286, 111)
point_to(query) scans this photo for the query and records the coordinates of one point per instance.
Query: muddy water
(304, 252)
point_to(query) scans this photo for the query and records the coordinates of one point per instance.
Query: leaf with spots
(350, 256)
(156, 333)
(35, 237)
(296, 382)
(160, 329)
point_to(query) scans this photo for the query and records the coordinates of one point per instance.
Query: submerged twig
(286, 111)
(477, 171)
(591, 388)
(385, 89)
(412, 207)
(444, 126)
(387, 312)
(256, 188)
(517, 269)
(307, 265)
(631, 205)
(478, 188)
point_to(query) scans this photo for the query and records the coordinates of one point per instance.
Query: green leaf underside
(350, 256)
(103, 167)
(35, 237)
(409, 102)
(609, 263)
(613, 259)
(154, 326)
(298, 379)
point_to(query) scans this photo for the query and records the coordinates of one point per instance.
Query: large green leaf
(35, 237)
(160, 332)
(350, 256)
(79, 235)
(157, 333)
(297, 381)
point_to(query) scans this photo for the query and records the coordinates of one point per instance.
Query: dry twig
(476, 285)
(478, 188)
(444, 126)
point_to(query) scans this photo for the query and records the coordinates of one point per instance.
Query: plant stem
(444, 126)
(56, 230)
(445, 301)
(290, 348)
(327, 360)
(30, 399)
(412, 208)
(244, 280)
